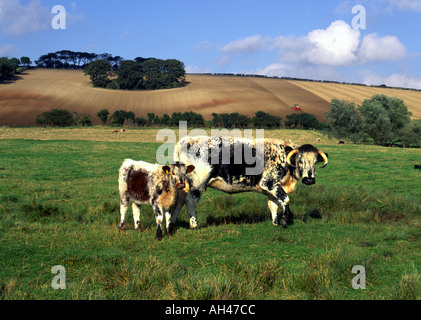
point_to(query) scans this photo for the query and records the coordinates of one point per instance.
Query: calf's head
(177, 174)
(304, 159)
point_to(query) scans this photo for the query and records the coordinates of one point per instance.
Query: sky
(373, 42)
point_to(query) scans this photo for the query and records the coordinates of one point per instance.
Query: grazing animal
(284, 165)
(341, 142)
(122, 130)
(153, 184)
(116, 132)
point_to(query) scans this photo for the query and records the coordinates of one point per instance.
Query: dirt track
(41, 90)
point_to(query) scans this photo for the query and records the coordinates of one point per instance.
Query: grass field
(59, 206)
(41, 90)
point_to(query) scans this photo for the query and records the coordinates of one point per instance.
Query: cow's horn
(290, 156)
(324, 158)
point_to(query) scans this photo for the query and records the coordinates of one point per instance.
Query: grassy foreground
(59, 206)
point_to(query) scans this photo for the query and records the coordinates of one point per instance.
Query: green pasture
(59, 205)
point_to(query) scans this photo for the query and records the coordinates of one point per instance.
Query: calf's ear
(166, 169)
(190, 169)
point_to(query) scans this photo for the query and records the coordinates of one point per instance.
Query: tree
(411, 134)
(6, 68)
(151, 118)
(263, 119)
(141, 121)
(98, 72)
(344, 120)
(130, 75)
(242, 121)
(384, 118)
(55, 118)
(103, 116)
(26, 62)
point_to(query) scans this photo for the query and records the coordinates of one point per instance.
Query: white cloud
(393, 80)
(405, 5)
(336, 46)
(17, 19)
(204, 46)
(223, 61)
(248, 45)
(196, 69)
(7, 50)
(387, 48)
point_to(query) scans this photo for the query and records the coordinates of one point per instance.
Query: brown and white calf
(153, 184)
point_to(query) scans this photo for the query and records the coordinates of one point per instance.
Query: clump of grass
(409, 287)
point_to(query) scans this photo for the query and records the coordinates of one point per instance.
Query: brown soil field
(41, 90)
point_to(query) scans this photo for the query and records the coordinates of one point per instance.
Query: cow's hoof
(169, 232)
(138, 227)
(193, 223)
(122, 226)
(284, 224)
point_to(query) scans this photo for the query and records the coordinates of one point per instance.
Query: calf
(146, 183)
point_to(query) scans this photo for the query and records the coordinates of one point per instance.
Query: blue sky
(306, 39)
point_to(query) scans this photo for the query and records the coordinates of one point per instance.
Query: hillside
(41, 90)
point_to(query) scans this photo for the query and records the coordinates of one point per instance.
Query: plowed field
(41, 90)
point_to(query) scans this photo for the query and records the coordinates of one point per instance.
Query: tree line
(114, 72)
(383, 120)
(10, 67)
(138, 74)
(67, 59)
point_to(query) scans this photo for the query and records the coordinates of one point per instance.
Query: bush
(265, 120)
(302, 121)
(55, 118)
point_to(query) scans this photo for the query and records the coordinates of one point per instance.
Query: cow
(284, 165)
(116, 132)
(153, 184)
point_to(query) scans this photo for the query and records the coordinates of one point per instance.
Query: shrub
(55, 118)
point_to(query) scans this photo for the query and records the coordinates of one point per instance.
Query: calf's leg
(159, 219)
(124, 205)
(136, 215)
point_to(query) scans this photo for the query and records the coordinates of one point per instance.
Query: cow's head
(177, 174)
(304, 159)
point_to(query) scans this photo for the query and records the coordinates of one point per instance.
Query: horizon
(366, 42)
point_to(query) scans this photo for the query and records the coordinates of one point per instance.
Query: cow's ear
(320, 158)
(190, 168)
(166, 169)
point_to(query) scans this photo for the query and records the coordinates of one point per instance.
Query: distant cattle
(153, 184)
(417, 166)
(116, 132)
(283, 166)
(341, 142)
(122, 130)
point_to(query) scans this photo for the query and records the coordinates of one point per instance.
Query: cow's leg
(181, 200)
(283, 200)
(159, 219)
(289, 217)
(136, 215)
(192, 200)
(168, 223)
(124, 206)
(273, 205)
